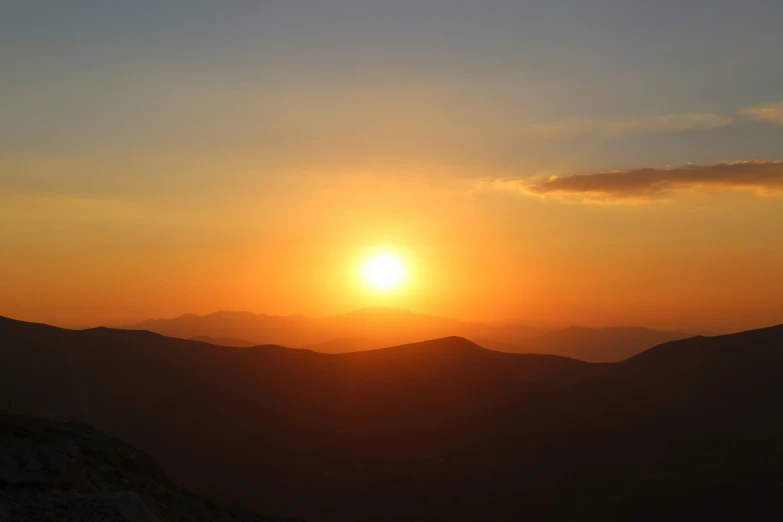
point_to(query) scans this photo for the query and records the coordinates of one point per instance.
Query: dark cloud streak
(652, 183)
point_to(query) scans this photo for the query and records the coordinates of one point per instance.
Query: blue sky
(119, 76)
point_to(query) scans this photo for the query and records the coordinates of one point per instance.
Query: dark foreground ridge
(442, 430)
(71, 472)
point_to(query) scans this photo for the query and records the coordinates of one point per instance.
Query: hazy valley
(374, 328)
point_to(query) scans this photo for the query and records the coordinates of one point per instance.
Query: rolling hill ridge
(378, 327)
(428, 431)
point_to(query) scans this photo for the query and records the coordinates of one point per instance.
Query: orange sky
(700, 259)
(602, 163)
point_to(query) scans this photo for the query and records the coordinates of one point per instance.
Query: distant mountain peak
(234, 313)
(380, 310)
(445, 344)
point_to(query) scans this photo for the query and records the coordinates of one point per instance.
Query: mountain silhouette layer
(223, 341)
(437, 430)
(378, 327)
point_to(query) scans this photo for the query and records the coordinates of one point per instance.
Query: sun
(383, 271)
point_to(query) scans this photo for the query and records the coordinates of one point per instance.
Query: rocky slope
(57, 472)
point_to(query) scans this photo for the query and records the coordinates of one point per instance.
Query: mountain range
(373, 328)
(437, 430)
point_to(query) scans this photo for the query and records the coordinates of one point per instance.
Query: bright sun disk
(383, 271)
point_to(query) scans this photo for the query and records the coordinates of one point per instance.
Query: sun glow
(383, 271)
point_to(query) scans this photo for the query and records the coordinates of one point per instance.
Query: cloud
(517, 186)
(675, 122)
(772, 113)
(651, 183)
(688, 121)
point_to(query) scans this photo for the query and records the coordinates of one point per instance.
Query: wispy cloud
(675, 122)
(772, 113)
(651, 183)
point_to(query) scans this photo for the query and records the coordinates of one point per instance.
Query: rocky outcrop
(58, 472)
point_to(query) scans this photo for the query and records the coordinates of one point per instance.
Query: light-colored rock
(68, 448)
(57, 463)
(46, 478)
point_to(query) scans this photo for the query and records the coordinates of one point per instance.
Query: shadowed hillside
(438, 430)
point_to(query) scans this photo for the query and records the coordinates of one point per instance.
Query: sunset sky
(158, 158)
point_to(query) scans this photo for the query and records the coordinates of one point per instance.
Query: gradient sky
(158, 158)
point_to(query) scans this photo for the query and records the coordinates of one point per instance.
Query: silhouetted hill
(438, 430)
(376, 327)
(347, 345)
(223, 341)
(724, 371)
(372, 328)
(752, 347)
(600, 344)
